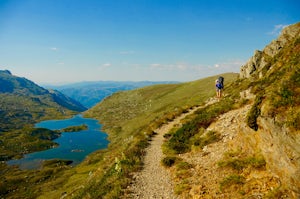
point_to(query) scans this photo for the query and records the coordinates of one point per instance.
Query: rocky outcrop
(279, 144)
(255, 63)
(258, 61)
(280, 149)
(282, 152)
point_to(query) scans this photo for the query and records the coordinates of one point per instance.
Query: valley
(244, 145)
(76, 138)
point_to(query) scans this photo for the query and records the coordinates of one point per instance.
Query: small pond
(73, 146)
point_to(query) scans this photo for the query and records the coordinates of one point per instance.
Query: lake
(73, 146)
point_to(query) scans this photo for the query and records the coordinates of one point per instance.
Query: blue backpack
(220, 83)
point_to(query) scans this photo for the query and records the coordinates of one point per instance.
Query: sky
(66, 41)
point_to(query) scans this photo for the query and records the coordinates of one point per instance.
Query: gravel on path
(154, 181)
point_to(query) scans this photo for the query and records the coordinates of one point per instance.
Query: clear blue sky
(60, 41)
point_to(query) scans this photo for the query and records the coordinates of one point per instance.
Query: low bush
(241, 163)
(232, 180)
(182, 139)
(208, 138)
(169, 161)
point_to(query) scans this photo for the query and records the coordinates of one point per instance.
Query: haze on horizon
(62, 41)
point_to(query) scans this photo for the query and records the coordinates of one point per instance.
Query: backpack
(221, 81)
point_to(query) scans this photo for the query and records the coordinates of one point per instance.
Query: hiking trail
(154, 181)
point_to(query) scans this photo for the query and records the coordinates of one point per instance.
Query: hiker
(219, 86)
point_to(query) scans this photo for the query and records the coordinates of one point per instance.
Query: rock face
(258, 61)
(278, 65)
(282, 153)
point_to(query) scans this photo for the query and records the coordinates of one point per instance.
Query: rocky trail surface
(154, 181)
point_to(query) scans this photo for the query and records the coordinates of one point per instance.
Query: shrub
(169, 161)
(181, 140)
(209, 138)
(241, 163)
(231, 180)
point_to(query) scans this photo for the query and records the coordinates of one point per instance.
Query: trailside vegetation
(130, 118)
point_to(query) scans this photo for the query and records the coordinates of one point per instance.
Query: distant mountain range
(24, 102)
(91, 93)
(244, 145)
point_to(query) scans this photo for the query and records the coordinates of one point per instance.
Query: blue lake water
(73, 146)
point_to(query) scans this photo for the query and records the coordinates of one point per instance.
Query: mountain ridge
(91, 93)
(22, 104)
(255, 125)
(267, 138)
(20, 95)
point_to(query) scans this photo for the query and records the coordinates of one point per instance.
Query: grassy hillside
(22, 104)
(91, 93)
(129, 118)
(134, 112)
(272, 141)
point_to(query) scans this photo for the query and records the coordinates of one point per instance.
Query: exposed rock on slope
(258, 154)
(260, 58)
(209, 180)
(278, 121)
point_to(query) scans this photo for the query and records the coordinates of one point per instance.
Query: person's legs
(218, 91)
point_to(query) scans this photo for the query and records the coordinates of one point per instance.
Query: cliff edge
(275, 78)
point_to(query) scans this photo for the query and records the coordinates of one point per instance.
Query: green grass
(208, 138)
(18, 111)
(242, 163)
(183, 175)
(75, 128)
(27, 140)
(279, 88)
(239, 161)
(191, 132)
(17, 183)
(231, 180)
(130, 118)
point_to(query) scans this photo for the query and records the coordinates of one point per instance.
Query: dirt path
(154, 181)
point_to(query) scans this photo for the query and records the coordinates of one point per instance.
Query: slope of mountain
(243, 146)
(91, 93)
(130, 117)
(23, 102)
(252, 151)
(259, 142)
